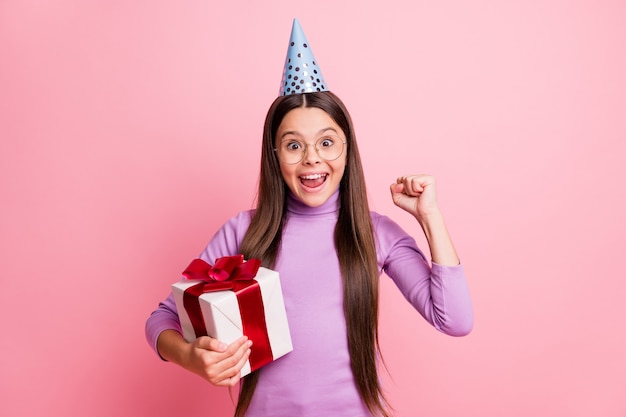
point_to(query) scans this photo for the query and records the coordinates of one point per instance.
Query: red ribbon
(231, 273)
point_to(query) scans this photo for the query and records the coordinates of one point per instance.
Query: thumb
(396, 188)
(208, 343)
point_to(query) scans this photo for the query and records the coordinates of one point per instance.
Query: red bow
(231, 273)
(228, 268)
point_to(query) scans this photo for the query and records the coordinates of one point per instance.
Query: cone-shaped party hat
(301, 73)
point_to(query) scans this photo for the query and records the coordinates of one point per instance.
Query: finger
(209, 343)
(239, 345)
(408, 183)
(230, 367)
(232, 356)
(232, 376)
(234, 379)
(416, 185)
(230, 382)
(244, 357)
(406, 186)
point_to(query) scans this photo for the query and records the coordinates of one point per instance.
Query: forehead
(307, 122)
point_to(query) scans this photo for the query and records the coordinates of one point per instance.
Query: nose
(310, 155)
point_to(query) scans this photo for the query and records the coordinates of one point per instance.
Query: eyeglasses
(291, 151)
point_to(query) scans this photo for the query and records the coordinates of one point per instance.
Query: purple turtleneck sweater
(315, 379)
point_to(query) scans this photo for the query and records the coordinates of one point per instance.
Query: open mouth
(313, 180)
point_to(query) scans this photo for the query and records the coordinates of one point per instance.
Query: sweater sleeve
(225, 242)
(439, 293)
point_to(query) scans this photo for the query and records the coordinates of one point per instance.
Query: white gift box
(222, 318)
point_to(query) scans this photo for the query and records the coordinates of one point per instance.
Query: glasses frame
(306, 149)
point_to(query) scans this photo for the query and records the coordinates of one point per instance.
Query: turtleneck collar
(298, 207)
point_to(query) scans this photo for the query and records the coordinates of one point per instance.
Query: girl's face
(313, 179)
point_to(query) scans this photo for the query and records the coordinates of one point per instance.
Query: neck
(298, 207)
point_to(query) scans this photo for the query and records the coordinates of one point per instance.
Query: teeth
(313, 176)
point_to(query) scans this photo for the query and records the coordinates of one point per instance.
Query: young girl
(312, 224)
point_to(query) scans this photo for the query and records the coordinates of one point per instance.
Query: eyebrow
(320, 132)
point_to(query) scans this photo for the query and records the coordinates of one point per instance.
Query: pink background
(130, 130)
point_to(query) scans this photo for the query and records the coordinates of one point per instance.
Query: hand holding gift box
(234, 298)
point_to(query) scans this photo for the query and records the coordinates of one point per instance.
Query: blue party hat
(301, 73)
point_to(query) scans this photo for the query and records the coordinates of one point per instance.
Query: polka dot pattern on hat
(301, 73)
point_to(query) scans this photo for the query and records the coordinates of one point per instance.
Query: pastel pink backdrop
(130, 132)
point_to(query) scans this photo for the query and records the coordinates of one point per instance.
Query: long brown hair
(354, 243)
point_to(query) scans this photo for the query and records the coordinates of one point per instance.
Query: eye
(292, 146)
(326, 143)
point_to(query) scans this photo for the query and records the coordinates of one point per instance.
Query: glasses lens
(329, 148)
(291, 151)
